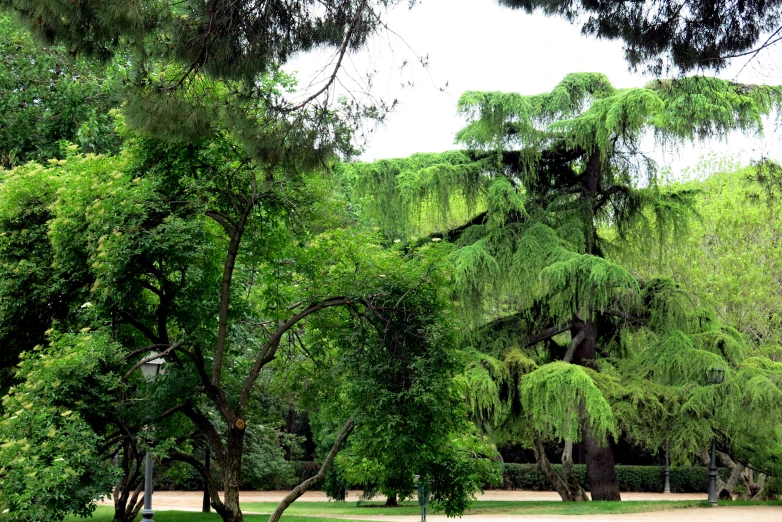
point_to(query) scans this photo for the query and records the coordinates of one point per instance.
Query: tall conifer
(539, 181)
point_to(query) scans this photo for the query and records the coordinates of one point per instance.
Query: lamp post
(716, 376)
(150, 370)
(424, 491)
(667, 486)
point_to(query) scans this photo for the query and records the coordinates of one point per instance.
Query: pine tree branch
(624, 315)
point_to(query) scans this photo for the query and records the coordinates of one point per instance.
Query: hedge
(687, 479)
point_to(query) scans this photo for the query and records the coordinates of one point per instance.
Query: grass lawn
(308, 511)
(524, 507)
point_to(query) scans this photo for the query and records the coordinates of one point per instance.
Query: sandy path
(191, 501)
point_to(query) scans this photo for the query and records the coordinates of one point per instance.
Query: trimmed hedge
(687, 479)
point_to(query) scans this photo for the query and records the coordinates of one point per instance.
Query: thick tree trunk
(565, 492)
(599, 457)
(600, 469)
(726, 493)
(391, 501)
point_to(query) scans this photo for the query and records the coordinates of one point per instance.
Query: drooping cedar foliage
(568, 345)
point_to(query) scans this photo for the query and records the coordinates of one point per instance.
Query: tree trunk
(231, 470)
(554, 479)
(577, 492)
(600, 469)
(726, 493)
(319, 476)
(391, 501)
(599, 458)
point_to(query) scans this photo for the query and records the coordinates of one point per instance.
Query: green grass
(521, 507)
(309, 511)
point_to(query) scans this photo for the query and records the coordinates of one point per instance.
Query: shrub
(686, 479)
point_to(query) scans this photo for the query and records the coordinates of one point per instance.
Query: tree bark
(545, 467)
(577, 492)
(391, 501)
(599, 457)
(600, 469)
(319, 476)
(726, 493)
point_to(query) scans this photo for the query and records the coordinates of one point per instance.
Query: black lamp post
(150, 370)
(716, 376)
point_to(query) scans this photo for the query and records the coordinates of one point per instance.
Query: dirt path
(191, 501)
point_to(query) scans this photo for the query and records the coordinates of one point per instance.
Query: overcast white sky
(476, 45)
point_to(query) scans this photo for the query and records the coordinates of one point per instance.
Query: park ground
(492, 506)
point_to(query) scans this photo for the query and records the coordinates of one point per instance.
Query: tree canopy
(670, 34)
(552, 184)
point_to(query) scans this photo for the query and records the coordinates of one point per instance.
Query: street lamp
(716, 376)
(150, 370)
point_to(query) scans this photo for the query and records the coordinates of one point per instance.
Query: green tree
(665, 34)
(543, 177)
(48, 97)
(171, 48)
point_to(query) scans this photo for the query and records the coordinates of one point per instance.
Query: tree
(49, 97)
(731, 255)
(542, 178)
(172, 47)
(665, 34)
(69, 210)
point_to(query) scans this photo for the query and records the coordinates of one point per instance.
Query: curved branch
(151, 358)
(571, 349)
(270, 346)
(549, 332)
(319, 476)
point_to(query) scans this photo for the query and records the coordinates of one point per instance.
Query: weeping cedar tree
(538, 179)
(664, 34)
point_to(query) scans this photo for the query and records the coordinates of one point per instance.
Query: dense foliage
(48, 97)
(664, 34)
(552, 185)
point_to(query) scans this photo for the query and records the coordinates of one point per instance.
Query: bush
(687, 479)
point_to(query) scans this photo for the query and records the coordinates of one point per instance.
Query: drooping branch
(223, 221)
(211, 485)
(340, 56)
(319, 476)
(624, 315)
